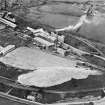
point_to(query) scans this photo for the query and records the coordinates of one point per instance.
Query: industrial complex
(42, 67)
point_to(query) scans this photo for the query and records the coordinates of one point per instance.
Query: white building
(7, 49)
(8, 23)
(35, 30)
(43, 42)
(41, 32)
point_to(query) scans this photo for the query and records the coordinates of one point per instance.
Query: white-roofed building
(46, 35)
(41, 32)
(35, 30)
(43, 42)
(8, 23)
(53, 34)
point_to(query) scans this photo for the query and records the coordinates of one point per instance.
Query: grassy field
(57, 15)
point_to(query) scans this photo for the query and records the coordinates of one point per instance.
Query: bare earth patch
(28, 58)
(50, 76)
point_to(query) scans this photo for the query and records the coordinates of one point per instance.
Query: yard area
(29, 58)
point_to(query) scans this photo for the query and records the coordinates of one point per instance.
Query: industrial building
(43, 42)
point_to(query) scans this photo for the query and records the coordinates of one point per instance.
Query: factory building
(41, 32)
(43, 42)
(46, 35)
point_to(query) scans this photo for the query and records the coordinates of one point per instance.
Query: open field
(30, 58)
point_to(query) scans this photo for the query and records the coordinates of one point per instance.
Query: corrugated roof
(44, 42)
